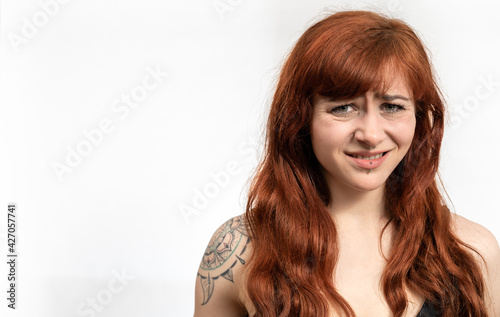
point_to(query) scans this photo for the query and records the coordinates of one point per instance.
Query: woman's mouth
(368, 157)
(368, 162)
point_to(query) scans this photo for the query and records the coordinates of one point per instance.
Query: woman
(344, 217)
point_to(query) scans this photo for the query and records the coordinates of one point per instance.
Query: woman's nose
(370, 129)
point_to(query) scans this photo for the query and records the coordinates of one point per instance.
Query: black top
(427, 310)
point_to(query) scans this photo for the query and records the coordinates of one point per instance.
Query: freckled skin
(368, 121)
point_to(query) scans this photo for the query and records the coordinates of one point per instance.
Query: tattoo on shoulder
(223, 252)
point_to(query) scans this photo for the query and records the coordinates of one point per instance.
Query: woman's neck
(358, 210)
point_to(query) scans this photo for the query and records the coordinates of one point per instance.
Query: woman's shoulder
(474, 234)
(485, 243)
(219, 274)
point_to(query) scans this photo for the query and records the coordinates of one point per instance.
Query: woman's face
(342, 132)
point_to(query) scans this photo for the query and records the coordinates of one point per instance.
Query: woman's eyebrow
(329, 99)
(391, 97)
(384, 97)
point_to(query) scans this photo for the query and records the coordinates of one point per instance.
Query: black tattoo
(231, 238)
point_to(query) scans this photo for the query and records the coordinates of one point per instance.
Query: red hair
(294, 237)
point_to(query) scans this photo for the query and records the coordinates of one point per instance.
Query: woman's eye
(341, 110)
(390, 107)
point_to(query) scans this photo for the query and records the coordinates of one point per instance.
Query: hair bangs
(367, 65)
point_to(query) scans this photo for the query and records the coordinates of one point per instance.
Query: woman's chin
(368, 185)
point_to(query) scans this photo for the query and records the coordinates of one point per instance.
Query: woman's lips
(367, 163)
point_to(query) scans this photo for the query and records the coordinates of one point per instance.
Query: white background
(118, 210)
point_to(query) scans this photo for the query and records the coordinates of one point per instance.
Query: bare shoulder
(475, 235)
(218, 278)
(485, 243)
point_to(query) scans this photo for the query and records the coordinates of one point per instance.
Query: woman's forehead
(388, 91)
(395, 86)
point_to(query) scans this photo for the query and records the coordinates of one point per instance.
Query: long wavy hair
(294, 238)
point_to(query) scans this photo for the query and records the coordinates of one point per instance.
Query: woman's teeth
(368, 157)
